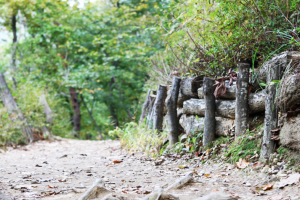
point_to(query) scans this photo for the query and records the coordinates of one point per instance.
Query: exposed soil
(65, 169)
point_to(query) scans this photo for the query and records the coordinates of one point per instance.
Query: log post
(271, 113)
(15, 113)
(149, 122)
(146, 106)
(172, 110)
(158, 108)
(242, 93)
(210, 109)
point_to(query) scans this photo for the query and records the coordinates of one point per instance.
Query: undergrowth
(138, 138)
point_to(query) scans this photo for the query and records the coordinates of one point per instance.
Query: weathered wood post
(242, 108)
(15, 113)
(146, 106)
(149, 121)
(172, 110)
(158, 108)
(271, 113)
(210, 109)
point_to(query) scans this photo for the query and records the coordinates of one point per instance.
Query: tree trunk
(158, 108)
(9, 102)
(242, 108)
(225, 108)
(271, 113)
(14, 48)
(230, 92)
(76, 109)
(210, 109)
(189, 89)
(172, 112)
(91, 116)
(146, 106)
(111, 107)
(46, 130)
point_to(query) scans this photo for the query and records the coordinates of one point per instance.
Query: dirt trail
(65, 169)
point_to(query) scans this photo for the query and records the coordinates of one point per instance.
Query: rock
(217, 196)
(4, 197)
(290, 134)
(265, 169)
(248, 184)
(183, 138)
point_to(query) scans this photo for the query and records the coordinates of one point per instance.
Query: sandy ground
(65, 170)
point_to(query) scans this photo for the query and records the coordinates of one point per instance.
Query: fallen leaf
(268, 187)
(124, 191)
(242, 164)
(207, 175)
(258, 164)
(37, 165)
(294, 178)
(117, 161)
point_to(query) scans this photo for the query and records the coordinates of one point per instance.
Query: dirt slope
(65, 169)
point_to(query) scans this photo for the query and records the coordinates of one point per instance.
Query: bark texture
(172, 111)
(261, 74)
(193, 125)
(210, 109)
(242, 108)
(189, 86)
(290, 134)
(158, 108)
(271, 113)
(15, 113)
(230, 91)
(289, 94)
(189, 89)
(146, 106)
(150, 113)
(225, 108)
(76, 109)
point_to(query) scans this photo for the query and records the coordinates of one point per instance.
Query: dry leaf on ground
(207, 175)
(258, 164)
(117, 161)
(242, 164)
(268, 187)
(294, 178)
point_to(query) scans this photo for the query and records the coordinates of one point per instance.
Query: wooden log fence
(210, 120)
(158, 108)
(172, 110)
(271, 113)
(242, 91)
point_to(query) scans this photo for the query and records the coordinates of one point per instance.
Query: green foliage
(137, 138)
(245, 144)
(282, 150)
(208, 37)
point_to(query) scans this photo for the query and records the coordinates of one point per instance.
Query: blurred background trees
(107, 53)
